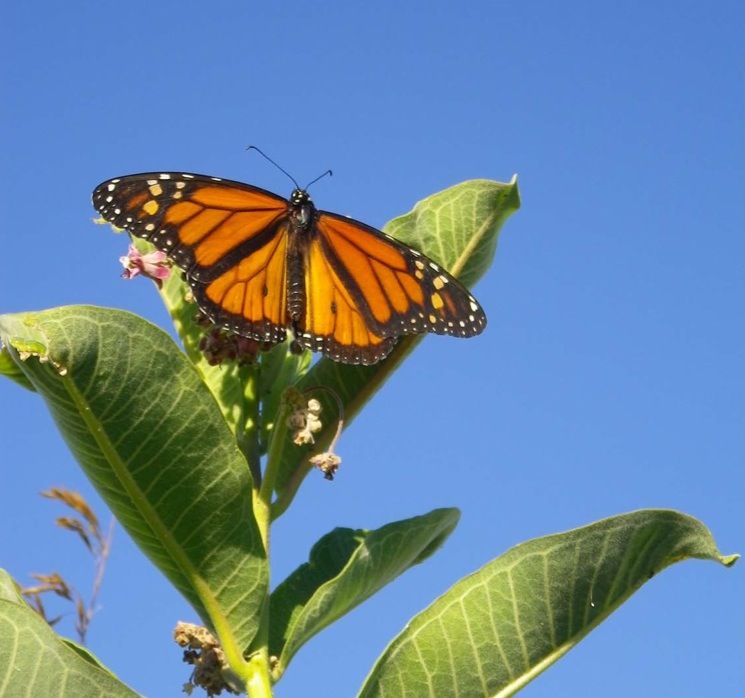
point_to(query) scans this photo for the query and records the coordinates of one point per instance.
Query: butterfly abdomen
(295, 278)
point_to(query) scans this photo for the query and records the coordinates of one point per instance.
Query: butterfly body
(302, 214)
(261, 265)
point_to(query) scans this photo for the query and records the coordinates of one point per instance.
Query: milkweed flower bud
(305, 421)
(153, 265)
(328, 463)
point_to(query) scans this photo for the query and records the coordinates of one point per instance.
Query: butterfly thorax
(302, 215)
(302, 210)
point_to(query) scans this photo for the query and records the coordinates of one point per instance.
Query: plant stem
(256, 672)
(274, 456)
(101, 559)
(247, 432)
(258, 679)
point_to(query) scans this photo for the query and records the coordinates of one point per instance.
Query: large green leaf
(497, 629)
(152, 440)
(346, 567)
(458, 228)
(35, 661)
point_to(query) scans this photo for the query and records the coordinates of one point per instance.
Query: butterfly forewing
(196, 219)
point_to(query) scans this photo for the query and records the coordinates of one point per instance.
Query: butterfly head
(299, 197)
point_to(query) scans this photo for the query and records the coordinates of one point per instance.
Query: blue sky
(610, 375)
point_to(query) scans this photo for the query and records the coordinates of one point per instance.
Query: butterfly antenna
(321, 176)
(281, 169)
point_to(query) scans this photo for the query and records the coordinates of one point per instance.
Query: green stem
(247, 431)
(256, 673)
(257, 676)
(274, 456)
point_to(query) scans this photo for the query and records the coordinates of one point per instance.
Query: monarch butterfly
(260, 265)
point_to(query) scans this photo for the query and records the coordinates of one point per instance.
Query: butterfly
(261, 265)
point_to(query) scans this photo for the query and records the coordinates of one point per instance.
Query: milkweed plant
(199, 448)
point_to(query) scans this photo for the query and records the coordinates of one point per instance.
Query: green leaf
(35, 661)
(346, 567)
(497, 629)
(458, 228)
(151, 438)
(12, 370)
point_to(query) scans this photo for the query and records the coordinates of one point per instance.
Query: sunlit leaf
(152, 440)
(346, 567)
(499, 628)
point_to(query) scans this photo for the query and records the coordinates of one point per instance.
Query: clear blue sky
(610, 376)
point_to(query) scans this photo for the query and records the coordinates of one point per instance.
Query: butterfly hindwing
(247, 291)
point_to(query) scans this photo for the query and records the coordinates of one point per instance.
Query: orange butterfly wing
(364, 288)
(230, 238)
